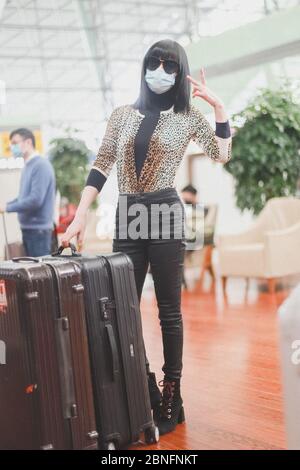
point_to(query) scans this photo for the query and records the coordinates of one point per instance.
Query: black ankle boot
(155, 395)
(171, 409)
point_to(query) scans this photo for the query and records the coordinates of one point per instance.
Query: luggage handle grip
(113, 349)
(74, 252)
(25, 258)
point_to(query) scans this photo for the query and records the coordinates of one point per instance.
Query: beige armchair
(269, 249)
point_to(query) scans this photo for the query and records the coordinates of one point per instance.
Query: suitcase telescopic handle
(74, 252)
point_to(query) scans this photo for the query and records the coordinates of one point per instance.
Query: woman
(147, 140)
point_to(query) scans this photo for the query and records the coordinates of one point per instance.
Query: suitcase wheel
(151, 435)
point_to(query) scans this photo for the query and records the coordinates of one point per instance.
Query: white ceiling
(69, 62)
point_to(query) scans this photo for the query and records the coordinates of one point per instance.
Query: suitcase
(14, 249)
(120, 381)
(46, 399)
(289, 334)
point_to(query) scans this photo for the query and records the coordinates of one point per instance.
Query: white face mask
(159, 81)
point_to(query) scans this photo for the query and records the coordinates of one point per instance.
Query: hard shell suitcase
(289, 335)
(46, 399)
(120, 381)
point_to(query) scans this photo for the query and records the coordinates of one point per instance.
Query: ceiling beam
(70, 29)
(256, 43)
(253, 60)
(65, 58)
(152, 4)
(69, 89)
(92, 38)
(2, 6)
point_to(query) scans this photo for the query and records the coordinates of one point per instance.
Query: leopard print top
(167, 146)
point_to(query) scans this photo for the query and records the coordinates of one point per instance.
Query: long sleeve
(40, 180)
(106, 155)
(13, 201)
(216, 144)
(96, 178)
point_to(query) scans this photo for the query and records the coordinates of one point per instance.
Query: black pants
(153, 232)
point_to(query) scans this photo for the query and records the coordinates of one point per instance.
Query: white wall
(9, 187)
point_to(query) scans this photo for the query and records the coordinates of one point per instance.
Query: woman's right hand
(77, 227)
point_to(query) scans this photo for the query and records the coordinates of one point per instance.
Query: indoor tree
(70, 158)
(265, 159)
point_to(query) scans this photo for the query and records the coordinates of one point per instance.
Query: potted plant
(266, 148)
(70, 159)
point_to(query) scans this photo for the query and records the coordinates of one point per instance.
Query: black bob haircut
(169, 49)
(25, 133)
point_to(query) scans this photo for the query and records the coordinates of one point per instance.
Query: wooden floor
(231, 382)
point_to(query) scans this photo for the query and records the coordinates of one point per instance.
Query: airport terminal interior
(65, 66)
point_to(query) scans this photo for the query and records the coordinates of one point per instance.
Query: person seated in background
(195, 213)
(199, 229)
(35, 202)
(189, 194)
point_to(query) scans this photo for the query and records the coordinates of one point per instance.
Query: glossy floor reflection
(231, 379)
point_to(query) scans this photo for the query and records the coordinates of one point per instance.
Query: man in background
(200, 222)
(195, 214)
(35, 202)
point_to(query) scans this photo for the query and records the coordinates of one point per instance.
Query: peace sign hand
(201, 89)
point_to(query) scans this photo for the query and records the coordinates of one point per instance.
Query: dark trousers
(37, 242)
(163, 246)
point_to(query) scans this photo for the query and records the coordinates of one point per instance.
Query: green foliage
(266, 148)
(70, 159)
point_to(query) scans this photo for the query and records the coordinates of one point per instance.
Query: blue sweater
(35, 203)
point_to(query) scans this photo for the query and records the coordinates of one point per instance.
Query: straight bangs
(172, 50)
(164, 53)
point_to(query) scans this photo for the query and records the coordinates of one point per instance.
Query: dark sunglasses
(170, 66)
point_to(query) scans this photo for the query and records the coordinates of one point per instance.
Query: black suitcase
(120, 381)
(46, 395)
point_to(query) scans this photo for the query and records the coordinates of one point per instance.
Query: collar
(33, 155)
(165, 111)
